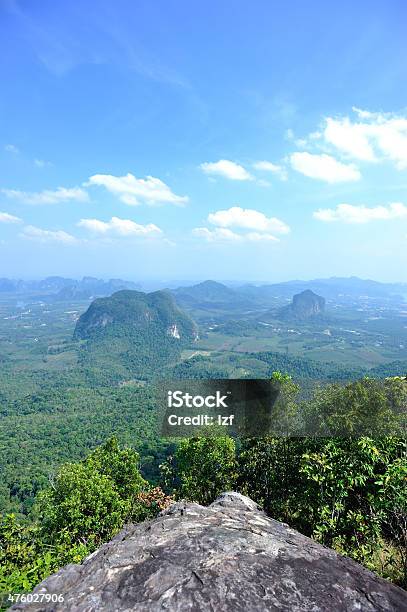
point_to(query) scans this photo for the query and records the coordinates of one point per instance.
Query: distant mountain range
(67, 288)
(212, 293)
(214, 296)
(329, 288)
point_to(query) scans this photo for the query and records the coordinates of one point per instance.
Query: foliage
(89, 501)
(23, 561)
(86, 504)
(364, 407)
(205, 467)
(61, 423)
(348, 493)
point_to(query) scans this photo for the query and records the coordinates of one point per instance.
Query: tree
(206, 466)
(367, 407)
(90, 500)
(82, 505)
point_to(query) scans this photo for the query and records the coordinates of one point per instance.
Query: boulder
(227, 556)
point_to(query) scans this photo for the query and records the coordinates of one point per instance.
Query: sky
(169, 139)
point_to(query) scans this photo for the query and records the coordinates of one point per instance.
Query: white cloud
(348, 213)
(262, 228)
(119, 227)
(227, 169)
(348, 138)
(48, 196)
(256, 237)
(267, 166)
(371, 137)
(7, 218)
(41, 163)
(134, 191)
(323, 167)
(247, 218)
(36, 233)
(10, 148)
(219, 234)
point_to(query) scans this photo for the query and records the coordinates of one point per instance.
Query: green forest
(81, 450)
(347, 491)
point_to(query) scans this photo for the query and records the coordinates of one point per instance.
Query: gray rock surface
(227, 556)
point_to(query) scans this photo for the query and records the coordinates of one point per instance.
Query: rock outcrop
(228, 556)
(304, 305)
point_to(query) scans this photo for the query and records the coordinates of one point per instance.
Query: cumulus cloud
(48, 196)
(348, 213)
(266, 166)
(247, 218)
(36, 233)
(227, 169)
(7, 218)
(134, 191)
(323, 167)
(119, 227)
(261, 227)
(369, 137)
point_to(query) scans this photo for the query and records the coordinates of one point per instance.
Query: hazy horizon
(196, 280)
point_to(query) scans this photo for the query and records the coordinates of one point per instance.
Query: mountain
(211, 295)
(61, 288)
(7, 285)
(227, 556)
(133, 333)
(305, 305)
(207, 291)
(335, 288)
(90, 287)
(134, 312)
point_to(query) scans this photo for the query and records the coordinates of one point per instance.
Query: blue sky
(258, 140)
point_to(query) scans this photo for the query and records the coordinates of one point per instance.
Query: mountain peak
(304, 305)
(127, 312)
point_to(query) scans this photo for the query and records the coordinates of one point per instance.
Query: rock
(304, 305)
(227, 556)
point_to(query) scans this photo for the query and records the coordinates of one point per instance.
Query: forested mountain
(133, 330)
(130, 312)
